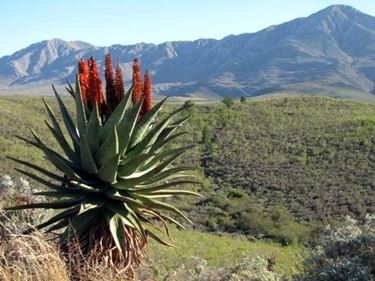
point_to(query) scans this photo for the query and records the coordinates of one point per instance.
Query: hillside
(315, 156)
(309, 160)
(329, 53)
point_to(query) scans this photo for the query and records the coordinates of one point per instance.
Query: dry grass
(34, 258)
(29, 258)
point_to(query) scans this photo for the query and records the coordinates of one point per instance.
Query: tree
(228, 101)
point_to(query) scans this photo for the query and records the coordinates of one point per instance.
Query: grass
(222, 251)
(32, 258)
(313, 156)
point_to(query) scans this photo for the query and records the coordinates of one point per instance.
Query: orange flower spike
(110, 85)
(95, 92)
(119, 84)
(137, 82)
(147, 93)
(83, 77)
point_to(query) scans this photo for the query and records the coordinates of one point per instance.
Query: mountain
(331, 52)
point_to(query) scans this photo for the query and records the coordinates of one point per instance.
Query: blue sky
(23, 22)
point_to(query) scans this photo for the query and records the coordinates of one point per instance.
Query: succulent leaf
(64, 214)
(131, 164)
(93, 129)
(63, 143)
(146, 121)
(108, 149)
(67, 120)
(116, 227)
(126, 126)
(108, 171)
(116, 116)
(39, 169)
(87, 158)
(80, 109)
(59, 204)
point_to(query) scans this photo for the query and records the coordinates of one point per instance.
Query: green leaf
(159, 144)
(168, 192)
(121, 210)
(108, 149)
(137, 178)
(67, 120)
(70, 89)
(119, 195)
(80, 109)
(65, 214)
(130, 165)
(127, 125)
(171, 220)
(79, 225)
(90, 204)
(60, 162)
(39, 169)
(158, 239)
(93, 129)
(63, 223)
(72, 93)
(161, 186)
(117, 230)
(145, 144)
(52, 115)
(171, 173)
(116, 116)
(60, 138)
(64, 192)
(85, 187)
(173, 153)
(133, 217)
(59, 135)
(141, 128)
(152, 203)
(87, 159)
(59, 204)
(108, 171)
(165, 136)
(33, 143)
(41, 180)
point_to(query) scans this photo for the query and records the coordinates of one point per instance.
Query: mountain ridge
(333, 49)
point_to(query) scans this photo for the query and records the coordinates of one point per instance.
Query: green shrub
(248, 269)
(346, 253)
(228, 101)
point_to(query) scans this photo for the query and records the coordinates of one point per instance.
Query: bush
(235, 211)
(228, 101)
(249, 269)
(346, 253)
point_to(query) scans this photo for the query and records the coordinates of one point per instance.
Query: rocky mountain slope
(331, 52)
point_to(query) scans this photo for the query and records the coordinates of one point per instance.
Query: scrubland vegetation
(274, 174)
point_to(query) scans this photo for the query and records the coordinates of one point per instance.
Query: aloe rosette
(115, 168)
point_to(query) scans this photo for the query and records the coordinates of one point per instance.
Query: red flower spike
(147, 94)
(119, 84)
(110, 84)
(83, 77)
(137, 82)
(95, 92)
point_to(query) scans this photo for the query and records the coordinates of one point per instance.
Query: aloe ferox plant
(115, 167)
